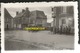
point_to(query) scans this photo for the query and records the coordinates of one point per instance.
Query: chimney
(26, 8)
(23, 10)
(17, 13)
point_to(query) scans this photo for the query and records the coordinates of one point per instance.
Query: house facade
(21, 19)
(63, 17)
(8, 20)
(38, 18)
(27, 18)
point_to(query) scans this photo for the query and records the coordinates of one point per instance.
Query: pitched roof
(39, 14)
(21, 14)
(7, 14)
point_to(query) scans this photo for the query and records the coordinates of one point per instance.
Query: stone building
(21, 19)
(27, 18)
(8, 19)
(38, 18)
(63, 16)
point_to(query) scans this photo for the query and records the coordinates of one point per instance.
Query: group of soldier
(61, 30)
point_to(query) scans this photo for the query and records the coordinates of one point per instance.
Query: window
(63, 9)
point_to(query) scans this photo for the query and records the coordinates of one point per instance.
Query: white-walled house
(63, 17)
(8, 20)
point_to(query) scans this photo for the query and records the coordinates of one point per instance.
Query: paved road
(16, 45)
(22, 40)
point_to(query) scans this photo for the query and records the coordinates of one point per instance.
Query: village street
(24, 40)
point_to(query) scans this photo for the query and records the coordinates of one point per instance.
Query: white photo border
(41, 4)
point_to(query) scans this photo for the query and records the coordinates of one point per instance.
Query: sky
(42, 6)
(46, 10)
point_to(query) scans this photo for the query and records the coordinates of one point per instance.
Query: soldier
(69, 29)
(55, 30)
(66, 30)
(51, 29)
(60, 29)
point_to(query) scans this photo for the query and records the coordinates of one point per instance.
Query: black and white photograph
(38, 27)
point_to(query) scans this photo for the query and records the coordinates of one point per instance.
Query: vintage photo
(38, 27)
